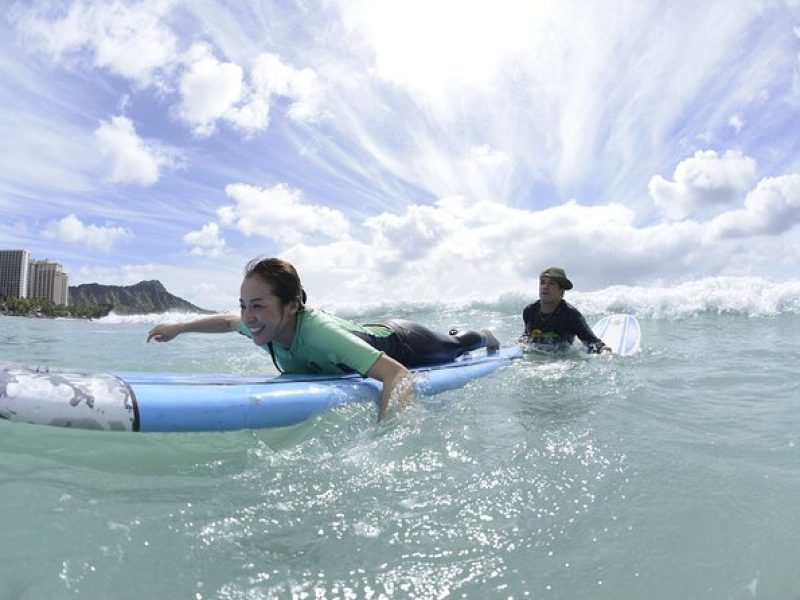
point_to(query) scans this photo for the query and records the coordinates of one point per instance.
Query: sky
(405, 150)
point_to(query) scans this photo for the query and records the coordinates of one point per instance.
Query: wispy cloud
(555, 86)
(127, 39)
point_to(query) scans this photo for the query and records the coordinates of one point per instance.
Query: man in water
(552, 323)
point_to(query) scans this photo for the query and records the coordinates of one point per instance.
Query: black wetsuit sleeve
(585, 334)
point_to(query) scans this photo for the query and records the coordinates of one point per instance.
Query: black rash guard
(557, 330)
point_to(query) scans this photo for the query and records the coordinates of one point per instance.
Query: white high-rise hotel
(24, 277)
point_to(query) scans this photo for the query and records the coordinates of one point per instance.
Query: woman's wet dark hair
(279, 274)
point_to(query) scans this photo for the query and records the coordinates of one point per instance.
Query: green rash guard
(326, 344)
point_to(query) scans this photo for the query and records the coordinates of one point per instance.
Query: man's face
(550, 291)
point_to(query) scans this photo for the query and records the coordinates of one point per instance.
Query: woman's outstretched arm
(214, 324)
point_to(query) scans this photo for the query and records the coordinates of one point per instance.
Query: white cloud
(209, 89)
(129, 39)
(736, 122)
(772, 208)
(412, 235)
(703, 183)
(469, 250)
(212, 90)
(305, 90)
(486, 156)
(71, 230)
(133, 159)
(205, 241)
(270, 77)
(280, 213)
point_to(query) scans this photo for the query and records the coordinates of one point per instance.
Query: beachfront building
(14, 273)
(48, 281)
(24, 277)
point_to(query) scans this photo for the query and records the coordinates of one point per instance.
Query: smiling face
(550, 293)
(266, 316)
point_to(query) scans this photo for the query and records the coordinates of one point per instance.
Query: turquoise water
(671, 474)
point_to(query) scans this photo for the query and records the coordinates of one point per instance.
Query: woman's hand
(163, 332)
(398, 384)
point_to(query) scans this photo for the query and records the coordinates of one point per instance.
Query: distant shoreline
(55, 311)
(95, 301)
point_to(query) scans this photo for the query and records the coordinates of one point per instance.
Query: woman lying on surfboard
(552, 323)
(305, 340)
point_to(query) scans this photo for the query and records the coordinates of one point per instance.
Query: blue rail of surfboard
(169, 402)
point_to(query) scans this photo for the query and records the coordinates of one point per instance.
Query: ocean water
(671, 474)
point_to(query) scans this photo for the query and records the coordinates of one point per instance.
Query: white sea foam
(752, 296)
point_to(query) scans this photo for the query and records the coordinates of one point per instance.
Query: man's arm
(587, 336)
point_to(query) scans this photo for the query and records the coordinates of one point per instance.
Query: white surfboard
(621, 332)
